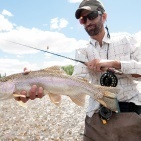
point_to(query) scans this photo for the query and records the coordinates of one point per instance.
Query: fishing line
(115, 71)
(46, 51)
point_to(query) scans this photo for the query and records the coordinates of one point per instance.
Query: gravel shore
(41, 121)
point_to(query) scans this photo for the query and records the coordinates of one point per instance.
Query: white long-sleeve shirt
(122, 47)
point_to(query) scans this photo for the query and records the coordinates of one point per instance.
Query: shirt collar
(105, 39)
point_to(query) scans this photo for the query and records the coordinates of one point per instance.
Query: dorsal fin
(55, 69)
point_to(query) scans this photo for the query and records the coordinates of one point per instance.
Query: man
(120, 52)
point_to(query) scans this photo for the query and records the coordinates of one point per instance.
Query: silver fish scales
(56, 83)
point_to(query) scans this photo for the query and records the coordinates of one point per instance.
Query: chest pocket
(119, 52)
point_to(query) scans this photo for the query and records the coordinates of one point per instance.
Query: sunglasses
(90, 16)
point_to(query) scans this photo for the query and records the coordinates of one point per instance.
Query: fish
(56, 82)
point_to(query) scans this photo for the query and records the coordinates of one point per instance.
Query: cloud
(5, 24)
(37, 38)
(61, 63)
(34, 37)
(138, 36)
(11, 66)
(57, 23)
(7, 13)
(74, 1)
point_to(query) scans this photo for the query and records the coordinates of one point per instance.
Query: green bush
(68, 69)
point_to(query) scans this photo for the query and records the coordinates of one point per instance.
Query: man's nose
(88, 21)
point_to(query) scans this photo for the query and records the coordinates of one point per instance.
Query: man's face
(92, 26)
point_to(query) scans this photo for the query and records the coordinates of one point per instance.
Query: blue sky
(42, 23)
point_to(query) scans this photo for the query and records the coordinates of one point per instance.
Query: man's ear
(104, 15)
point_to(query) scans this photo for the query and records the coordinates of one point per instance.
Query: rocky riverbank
(41, 121)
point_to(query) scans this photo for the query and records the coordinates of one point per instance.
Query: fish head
(6, 90)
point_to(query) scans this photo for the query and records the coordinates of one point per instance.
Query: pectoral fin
(22, 104)
(19, 95)
(56, 99)
(78, 99)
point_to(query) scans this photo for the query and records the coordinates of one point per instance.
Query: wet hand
(34, 92)
(100, 65)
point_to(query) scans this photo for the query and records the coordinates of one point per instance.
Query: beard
(94, 29)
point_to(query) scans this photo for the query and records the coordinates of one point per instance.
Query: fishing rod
(46, 51)
(107, 79)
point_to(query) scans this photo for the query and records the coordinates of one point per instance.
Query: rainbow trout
(56, 83)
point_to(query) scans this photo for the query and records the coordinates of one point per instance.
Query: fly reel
(109, 79)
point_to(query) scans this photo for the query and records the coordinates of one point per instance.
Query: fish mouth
(6, 90)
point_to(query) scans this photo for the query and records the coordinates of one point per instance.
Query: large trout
(56, 83)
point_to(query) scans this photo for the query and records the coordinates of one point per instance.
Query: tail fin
(110, 101)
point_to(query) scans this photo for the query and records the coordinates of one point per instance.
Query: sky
(51, 25)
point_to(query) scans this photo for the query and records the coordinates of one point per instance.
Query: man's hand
(102, 65)
(34, 92)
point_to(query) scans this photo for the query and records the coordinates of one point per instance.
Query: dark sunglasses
(90, 16)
